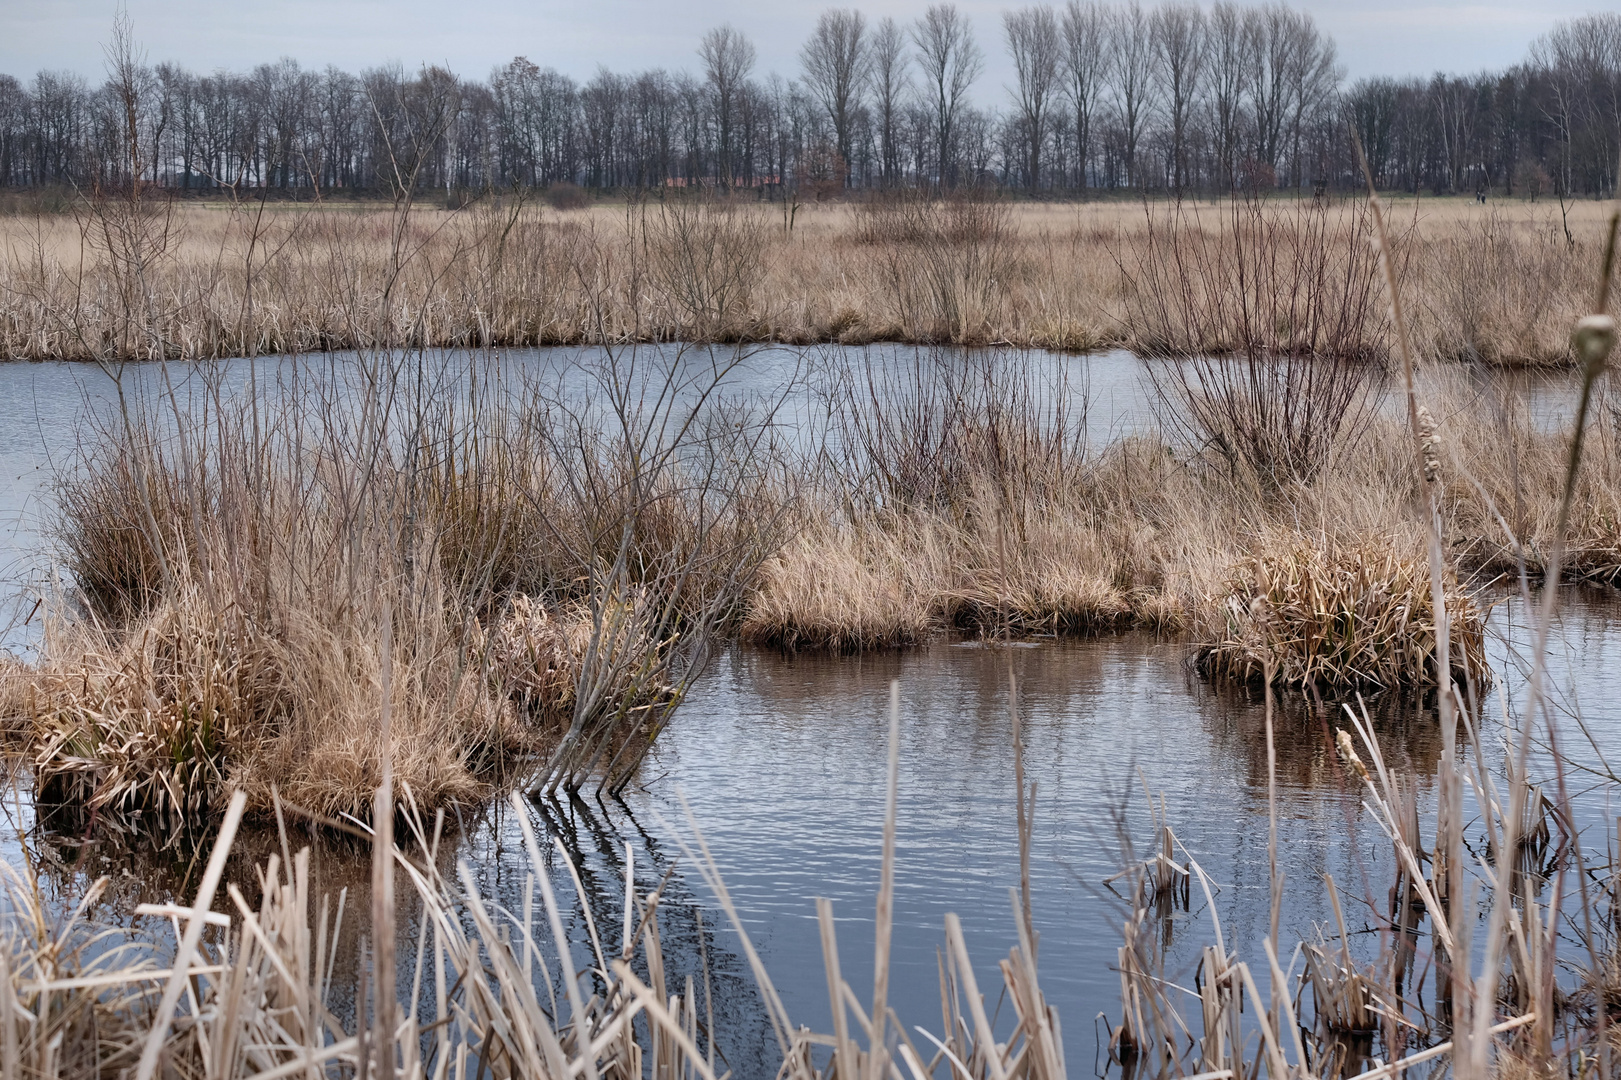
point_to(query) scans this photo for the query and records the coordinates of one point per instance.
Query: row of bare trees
(1551, 125)
(1172, 97)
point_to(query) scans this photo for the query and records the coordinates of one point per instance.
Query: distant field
(1499, 282)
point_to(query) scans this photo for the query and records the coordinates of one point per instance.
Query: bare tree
(836, 60)
(1229, 58)
(728, 58)
(951, 61)
(1269, 45)
(1311, 77)
(129, 78)
(1131, 43)
(1246, 95)
(1179, 48)
(1580, 63)
(1036, 47)
(890, 82)
(1086, 31)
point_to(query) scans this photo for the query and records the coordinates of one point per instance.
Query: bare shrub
(705, 254)
(1254, 279)
(944, 260)
(925, 431)
(1274, 418)
(1270, 322)
(566, 196)
(662, 508)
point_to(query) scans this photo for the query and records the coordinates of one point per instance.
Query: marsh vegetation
(368, 592)
(1499, 284)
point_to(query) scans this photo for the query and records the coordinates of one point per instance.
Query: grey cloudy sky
(1376, 37)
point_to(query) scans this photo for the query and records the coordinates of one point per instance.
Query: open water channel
(780, 760)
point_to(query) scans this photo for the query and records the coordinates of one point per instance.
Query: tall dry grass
(545, 569)
(962, 492)
(220, 279)
(551, 568)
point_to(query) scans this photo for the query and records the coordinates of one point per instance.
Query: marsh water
(779, 761)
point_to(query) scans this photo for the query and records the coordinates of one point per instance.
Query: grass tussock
(1342, 616)
(169, 714)
(829, 589)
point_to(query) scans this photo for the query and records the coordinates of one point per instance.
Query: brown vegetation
(983, 507)
(531, 573)
(530, 589)
(1495, 283)
(1322, 614)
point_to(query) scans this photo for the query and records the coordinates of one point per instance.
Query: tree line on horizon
(1171, 98)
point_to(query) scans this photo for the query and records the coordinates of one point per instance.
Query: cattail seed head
(1348, 752)
(1592, 341)
(1429, 445)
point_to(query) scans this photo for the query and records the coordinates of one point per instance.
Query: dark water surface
(781, 761)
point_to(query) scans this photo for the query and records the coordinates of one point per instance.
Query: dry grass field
(143, 277)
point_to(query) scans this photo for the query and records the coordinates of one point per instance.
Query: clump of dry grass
(1343, 616)
(169, 713)
(836, 589)
(875, 585)
(534, 653)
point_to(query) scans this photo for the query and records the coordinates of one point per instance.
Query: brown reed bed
(548, 587)
(546, 603)
(197, 279)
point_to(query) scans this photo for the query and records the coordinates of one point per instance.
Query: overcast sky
(1376, 37)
